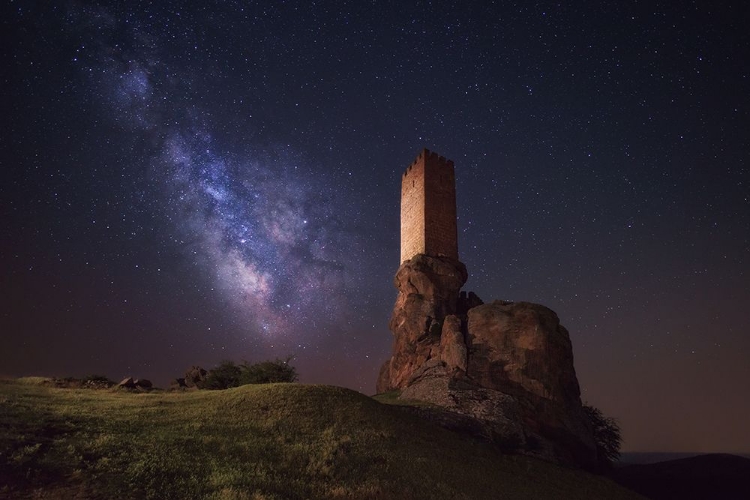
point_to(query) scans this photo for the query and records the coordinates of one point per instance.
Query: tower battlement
(432, 157)
(428, 208)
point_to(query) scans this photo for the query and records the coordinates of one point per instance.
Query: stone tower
(428, 208)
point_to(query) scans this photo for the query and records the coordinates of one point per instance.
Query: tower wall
(412, 211)
(428, 208)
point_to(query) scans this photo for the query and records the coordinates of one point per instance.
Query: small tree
(224, 376)
(267, 372)
(606, 434)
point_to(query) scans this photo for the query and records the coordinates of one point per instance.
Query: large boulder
(145, 384)
(127, 383)
(508, 366)
(135, 383)
(195, 376)
(177, 384)
(520, 347)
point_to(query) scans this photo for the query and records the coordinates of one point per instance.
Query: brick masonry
(428, 208)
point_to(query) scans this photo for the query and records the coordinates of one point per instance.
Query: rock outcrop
(508, 366)
(428, 292)
(135, 383)
(195, 376)
(144, 384)
(177, 384)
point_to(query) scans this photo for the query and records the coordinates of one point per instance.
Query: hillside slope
(254, 442)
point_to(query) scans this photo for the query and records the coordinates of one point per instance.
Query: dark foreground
(715, 476)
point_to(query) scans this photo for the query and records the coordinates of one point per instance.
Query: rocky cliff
(428, 292)
(508, 366)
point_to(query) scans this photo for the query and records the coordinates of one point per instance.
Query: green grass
(392, 398)
(279, 441)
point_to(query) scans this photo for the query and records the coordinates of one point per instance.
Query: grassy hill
(282, 441)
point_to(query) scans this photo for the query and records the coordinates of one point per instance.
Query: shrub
(228, 374)
(224, 376)
(606, 434)
(266, 372)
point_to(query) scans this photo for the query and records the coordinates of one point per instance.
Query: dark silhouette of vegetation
(268, 372)
(224, 376)
(87, 382)
(229, 374)
(606, 434)
(101, 379)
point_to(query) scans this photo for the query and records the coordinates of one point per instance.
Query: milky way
(262, 226)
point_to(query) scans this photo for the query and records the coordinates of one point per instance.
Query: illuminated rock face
(428, 292)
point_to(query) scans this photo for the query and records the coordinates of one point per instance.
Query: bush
(228, 374)
(606, 434)
(224, 376)
(267, 372)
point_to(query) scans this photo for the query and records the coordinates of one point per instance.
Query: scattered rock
(143, 383)
(177, 384)
(97, 382)
(195, 376)
(127, 383)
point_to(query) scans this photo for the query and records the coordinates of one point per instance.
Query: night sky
(182, 184)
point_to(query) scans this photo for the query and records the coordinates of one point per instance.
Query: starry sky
(187, 182)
